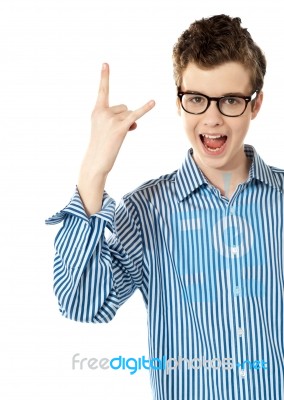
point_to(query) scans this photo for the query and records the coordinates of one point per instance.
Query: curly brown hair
(210, 42)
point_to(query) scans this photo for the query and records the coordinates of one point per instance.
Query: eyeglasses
(230, 106)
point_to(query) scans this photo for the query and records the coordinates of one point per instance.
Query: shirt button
(232, 210)
(234, 250)
(237, 290)
(242, 373)
(240, 331)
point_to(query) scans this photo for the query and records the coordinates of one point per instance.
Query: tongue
(214, 143)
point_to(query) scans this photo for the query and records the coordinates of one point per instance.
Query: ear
(257, 105)
(178, 106)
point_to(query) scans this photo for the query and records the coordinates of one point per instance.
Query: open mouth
(213, 143)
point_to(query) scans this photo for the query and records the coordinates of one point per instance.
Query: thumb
(133, 126)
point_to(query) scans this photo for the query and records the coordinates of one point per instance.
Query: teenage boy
(203, 244)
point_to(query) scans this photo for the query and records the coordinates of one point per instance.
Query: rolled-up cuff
(76, 208)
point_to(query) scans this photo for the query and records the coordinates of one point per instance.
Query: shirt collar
(259, 170)
(190, 177)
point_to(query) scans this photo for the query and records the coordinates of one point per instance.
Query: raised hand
(109, 126)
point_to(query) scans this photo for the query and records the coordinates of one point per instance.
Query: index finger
(103, 94)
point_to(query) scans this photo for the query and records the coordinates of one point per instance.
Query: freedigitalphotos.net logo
(163, 363)
(217, 246)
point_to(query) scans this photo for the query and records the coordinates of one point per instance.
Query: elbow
(104, 315)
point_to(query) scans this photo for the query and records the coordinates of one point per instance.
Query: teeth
(213, 150)
(212, 136)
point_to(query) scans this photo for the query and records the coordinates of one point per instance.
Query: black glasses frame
(218, 99)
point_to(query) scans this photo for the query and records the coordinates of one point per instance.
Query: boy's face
(228, 78)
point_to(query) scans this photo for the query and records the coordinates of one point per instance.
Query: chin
(220, 161)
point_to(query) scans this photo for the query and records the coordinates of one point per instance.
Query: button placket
(234, 247)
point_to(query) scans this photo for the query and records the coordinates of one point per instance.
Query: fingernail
(103, 66)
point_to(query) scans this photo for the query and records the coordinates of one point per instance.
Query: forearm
(91, 184)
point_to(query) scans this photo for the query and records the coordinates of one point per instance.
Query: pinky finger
(143, 110)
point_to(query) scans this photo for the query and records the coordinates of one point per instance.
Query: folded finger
(118, 109)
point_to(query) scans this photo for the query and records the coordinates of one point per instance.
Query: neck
(226, 179)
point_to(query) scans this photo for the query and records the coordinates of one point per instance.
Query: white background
(51, 54)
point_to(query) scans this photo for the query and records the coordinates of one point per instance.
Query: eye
(194, 99)
(232, 101)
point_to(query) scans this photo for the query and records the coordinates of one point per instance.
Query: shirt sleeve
(93, 276)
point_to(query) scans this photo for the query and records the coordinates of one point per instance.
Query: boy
(204, 244)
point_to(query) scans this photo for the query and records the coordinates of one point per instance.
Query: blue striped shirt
(210, 271)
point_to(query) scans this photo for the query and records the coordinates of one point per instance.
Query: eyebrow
(225, 94)
(234, 94)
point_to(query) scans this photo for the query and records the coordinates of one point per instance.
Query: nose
(212, 115)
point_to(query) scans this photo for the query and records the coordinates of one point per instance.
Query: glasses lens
(232, 106)
(194, 103)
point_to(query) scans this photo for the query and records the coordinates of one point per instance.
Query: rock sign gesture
(109, 126)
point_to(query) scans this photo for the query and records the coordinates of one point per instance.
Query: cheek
(240, 127)
(189, 123)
